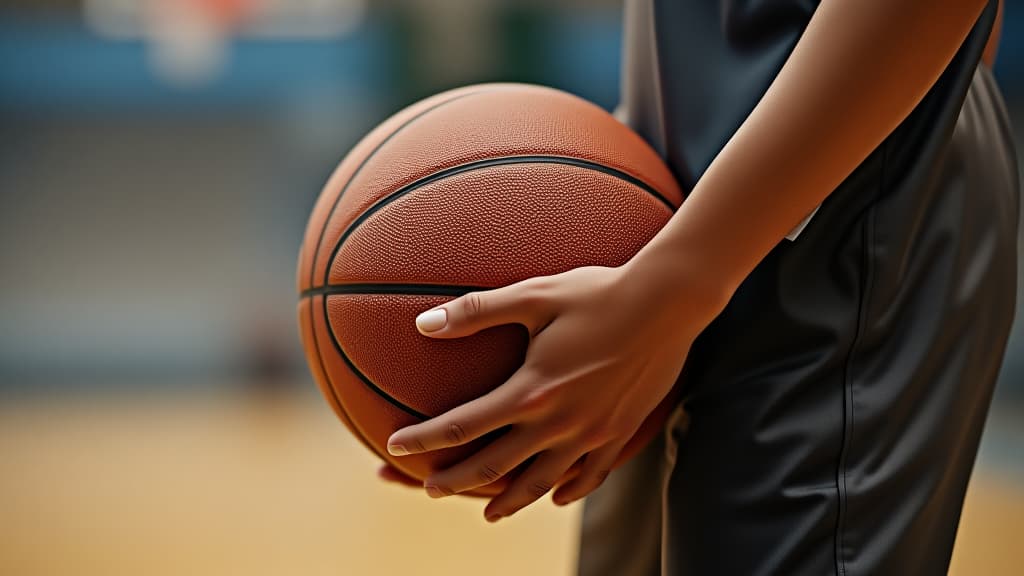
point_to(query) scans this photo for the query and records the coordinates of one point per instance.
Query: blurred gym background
(158, 160)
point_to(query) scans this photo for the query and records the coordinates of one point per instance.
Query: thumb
(476, 311)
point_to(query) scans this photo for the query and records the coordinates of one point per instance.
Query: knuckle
(599, 434)
(539, 488)
(536, 401)
(455, 433)
(535, 291)
(473, 304)
(561, 426)
(488, 473)
(545, 406)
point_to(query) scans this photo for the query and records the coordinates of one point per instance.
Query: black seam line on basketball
(359, 373)
(320, 240)
(480, 164)
(411, 289)
(369, 384)
(406, 289)
(345, 416)
(366, 160)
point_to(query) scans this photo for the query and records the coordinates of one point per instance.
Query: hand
(604, 350)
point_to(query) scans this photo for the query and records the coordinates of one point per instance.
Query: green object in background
(523, 46)
(406, 78)
(520, 43)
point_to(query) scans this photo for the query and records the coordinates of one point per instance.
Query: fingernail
(492, 518)
(432, 320)
(397, 450)
(434, 491)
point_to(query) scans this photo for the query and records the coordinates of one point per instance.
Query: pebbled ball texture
(470, 189)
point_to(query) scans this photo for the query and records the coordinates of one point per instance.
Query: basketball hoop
(189, 40)
(190, 37)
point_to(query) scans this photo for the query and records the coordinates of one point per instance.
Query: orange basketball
(470, 189)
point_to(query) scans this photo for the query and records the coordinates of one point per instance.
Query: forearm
(859, 69)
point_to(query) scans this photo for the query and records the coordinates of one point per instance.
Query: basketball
(471, 189)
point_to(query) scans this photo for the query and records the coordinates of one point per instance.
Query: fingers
(486, 466)
(470, 313)
(596, 467)
(533, 483)
(389, 473)
(463, 423)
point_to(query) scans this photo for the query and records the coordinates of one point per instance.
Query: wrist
(676, 281)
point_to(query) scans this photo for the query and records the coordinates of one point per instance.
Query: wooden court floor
(197, 484)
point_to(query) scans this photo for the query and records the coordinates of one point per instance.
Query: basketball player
(836, 293)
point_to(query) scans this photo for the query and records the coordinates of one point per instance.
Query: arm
(860, 68)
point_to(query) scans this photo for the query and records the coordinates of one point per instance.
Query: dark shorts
(833, 411)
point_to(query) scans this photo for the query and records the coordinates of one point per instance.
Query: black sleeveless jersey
(694, 70)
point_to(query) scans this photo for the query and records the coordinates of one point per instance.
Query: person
(836, 293)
